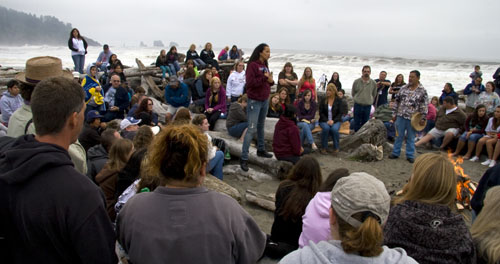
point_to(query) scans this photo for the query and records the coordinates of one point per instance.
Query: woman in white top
(490, 139)
(236, 82)
(78, 47)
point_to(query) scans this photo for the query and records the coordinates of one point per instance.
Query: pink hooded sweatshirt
(316, 220)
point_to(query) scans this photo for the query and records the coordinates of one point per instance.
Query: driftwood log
(367, 152)
(372, 132)
(250, 174)
(266, 201)
(214, 184)
(268, 127)
(148, 84)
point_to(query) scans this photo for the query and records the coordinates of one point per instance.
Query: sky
(434, 29)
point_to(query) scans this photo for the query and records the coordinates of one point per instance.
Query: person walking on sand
(412, 98)
(364, 90)
(258, 85)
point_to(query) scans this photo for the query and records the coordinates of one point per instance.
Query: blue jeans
(174, 67)
(237, 130)
(361, 115)
(215, 164)
(332, 131)
(305, 132)
(473, 137)
(403, 126)
(79, 61)
(199, 63)
(256, 116)
(165, 69)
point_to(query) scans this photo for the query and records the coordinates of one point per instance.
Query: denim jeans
(237, 130)
(473, 137)
(165, 69)
(79, 61)
(403, 127)
(361, 115)
(305, 132)
(332, 131)
(215, 164)
(256, 116)
(199, 63)
(174, 67)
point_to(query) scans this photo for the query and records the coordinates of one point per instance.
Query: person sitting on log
(286, 139)
(215, 156)
(306, 114)
(236, 122)
(215, 102)
(191, 65)
(173, 60)
(207, 55)
(235, 54)
(331, 110)
(284, 97)
(94, 94)
(145, 113)
(223, 54)
(275, 108)
(475, 126)
(490, 139)
(191, 54)
(176, 95)
(236, 82)
(292, 197)
(202, 84)
(162, 63)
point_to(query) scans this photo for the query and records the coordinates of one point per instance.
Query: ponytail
(366, 240)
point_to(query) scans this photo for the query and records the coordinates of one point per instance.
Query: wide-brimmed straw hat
(415, 122)
(41, 68)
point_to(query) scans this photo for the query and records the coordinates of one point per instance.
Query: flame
(457, 162)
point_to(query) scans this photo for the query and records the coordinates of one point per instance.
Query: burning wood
(465, 187)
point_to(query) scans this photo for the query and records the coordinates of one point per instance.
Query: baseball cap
(128, 122)
(173, 80)
(93, 114)
(357, 193)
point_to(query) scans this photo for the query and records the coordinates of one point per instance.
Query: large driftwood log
(367, 152)
(151, 88)
(159, 108)
(372, 132)
(214, 184)
(268, 127)
(250, 174)
(275, 167)
(266, 201)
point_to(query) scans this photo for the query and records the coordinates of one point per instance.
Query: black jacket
(70, 45)
(339, 108)
(192, 55)
(54, 214)
(490, 179)
(97, 156)
(89, 137)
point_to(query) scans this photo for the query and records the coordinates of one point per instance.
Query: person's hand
(468, 135)
(330, 122)
(98, 63)
(393, 119)
(98, 89)
(104, 125)
(301, 150)
(114, 108)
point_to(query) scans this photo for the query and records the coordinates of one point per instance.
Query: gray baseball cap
(358, 193)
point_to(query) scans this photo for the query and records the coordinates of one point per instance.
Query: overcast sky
(426, 28)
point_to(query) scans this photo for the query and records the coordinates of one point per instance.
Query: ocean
(434, 73)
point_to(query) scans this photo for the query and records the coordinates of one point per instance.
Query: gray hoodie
(9, 104)
(332, 252)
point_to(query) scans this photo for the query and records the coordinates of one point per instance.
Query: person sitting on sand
(359, 207)
(145, 113)
(423, 221)
(307, 82)
(176, 95)
(306, 114)
(191, 54)
(275, 108)
(292, 197)
(475, 126)
(286, 139)
(490, 139)
(450, 120)
(215, 102)
(486, 228)
(236, 122)
(315, 221)
(331, 110)
(489, 98)
(11, 101)
(207, 55)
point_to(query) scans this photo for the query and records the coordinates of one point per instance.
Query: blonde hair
(216, 98)
(119, 153)
(485, 230)
(271, 102)
(333, 89)
(177, 153)
(366, 240)
(309, 79)
(243, 98)
(433, 181)
(287, 99)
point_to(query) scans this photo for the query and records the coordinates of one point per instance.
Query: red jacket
(286, 139)
(257, 86)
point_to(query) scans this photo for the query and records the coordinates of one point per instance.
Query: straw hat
(41, 68)
(415, 122)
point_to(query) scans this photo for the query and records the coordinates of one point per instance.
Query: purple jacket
(302, 113)
(221, 105)
(257, 86)
(316, 220)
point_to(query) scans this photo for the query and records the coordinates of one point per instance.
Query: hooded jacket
(286, 139)
(331, 252)
(56, 214)
(8, 105)
(89, 85)
(316, 220)
(97, 158)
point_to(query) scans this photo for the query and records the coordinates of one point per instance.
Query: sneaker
(314, 147)
(264, 154)
(244, 165)
(410, 160)
(486, 162)
(474, 159)
(392, 156)
(492, 164)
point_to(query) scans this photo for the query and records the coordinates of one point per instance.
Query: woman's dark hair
(204, 80)
(256, 53)
(304, 179)
(189, 73)
(130, 172)
(143, 107)
(117, 60)
(71, 33)
(287, 64)
(234, 48)
(451, 86)
(171, 49)
(332, 179)
(475, 116)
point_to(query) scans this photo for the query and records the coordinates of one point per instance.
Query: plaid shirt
(409, 102)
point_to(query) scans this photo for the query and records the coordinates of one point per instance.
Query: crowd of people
(142, 198)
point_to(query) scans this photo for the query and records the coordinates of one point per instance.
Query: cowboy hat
(415, 122)
(41, 68)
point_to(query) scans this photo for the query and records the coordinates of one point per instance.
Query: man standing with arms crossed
(412, 98)
(363, 92)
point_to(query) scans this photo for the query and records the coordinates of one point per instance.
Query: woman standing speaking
(258, 85)
(78, 47)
